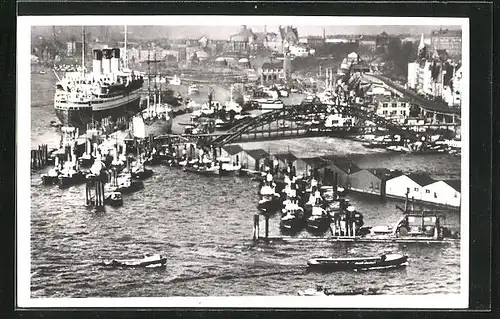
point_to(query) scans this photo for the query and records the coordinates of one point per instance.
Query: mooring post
(267, 226)
(256, 227)
(406, 200)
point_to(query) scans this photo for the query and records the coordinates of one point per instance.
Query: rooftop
(384, 173)
(232, 149)
(314, 161)
(269, 65)
(455, 183)
(257, 154)
(421, 179)
(286, 157)
(343, 163)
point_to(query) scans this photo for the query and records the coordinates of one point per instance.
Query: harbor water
(204, 227)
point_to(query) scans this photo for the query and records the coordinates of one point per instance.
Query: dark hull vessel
(269, 206)
(362, 263)
(318, 224)
(68, 181)
(80, 117)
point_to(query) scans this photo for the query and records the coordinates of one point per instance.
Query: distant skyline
(223, 33)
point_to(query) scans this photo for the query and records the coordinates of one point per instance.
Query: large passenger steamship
(108, 92)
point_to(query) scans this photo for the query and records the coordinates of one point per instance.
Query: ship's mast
(125, 50)
(83, 50)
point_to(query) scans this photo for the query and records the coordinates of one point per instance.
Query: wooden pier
(39, 157)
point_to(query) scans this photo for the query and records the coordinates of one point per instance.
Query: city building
(372, 180)
(449, 40)
(393, 108)
(314, 42)
(272, 72)
(300, 51)
(445, 192)
(241, 41)
(411, 184)
(73, 48)
(382, 42)
(285, 159)
(289, 35)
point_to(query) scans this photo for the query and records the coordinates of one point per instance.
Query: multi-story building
(393, 108)
(449, 40)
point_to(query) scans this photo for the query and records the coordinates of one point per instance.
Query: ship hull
(80, 117)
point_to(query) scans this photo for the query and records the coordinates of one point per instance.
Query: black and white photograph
(251, 161)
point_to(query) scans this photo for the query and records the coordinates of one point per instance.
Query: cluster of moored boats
(121, 174)
(305, 203)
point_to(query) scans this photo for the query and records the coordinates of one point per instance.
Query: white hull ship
(108, 92)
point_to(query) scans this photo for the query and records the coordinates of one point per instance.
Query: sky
(223, 33)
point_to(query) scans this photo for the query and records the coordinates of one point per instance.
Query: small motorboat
(155, 260)
(175, 80)
(51, 177)
(324, 291)
(55, 124)
(140, 172)
(115, 199)
(193, 89)
(358, 263)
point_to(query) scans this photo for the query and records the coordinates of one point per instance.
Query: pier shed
(234, 152)
(446, 192)
(256, 159)
(285, 159)
(410, 183)
(309, 166)
(372, 180)
(338, 171)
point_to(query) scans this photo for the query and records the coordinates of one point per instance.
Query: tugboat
(115, 199)
(70, 176)
(319, 221)
(292, 218)
(141, 172)
(269, 201)
(51, 177)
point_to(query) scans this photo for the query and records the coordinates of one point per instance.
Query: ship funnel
(97, 62)
(115, 60)
(106, 61)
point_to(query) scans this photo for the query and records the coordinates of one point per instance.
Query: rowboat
(323, 291)
(358, 263)
(155, 260)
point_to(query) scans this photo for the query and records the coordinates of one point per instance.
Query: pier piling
(256, 227)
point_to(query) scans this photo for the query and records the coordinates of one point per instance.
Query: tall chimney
(115, 60)
(106, 61)
(97, 62)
